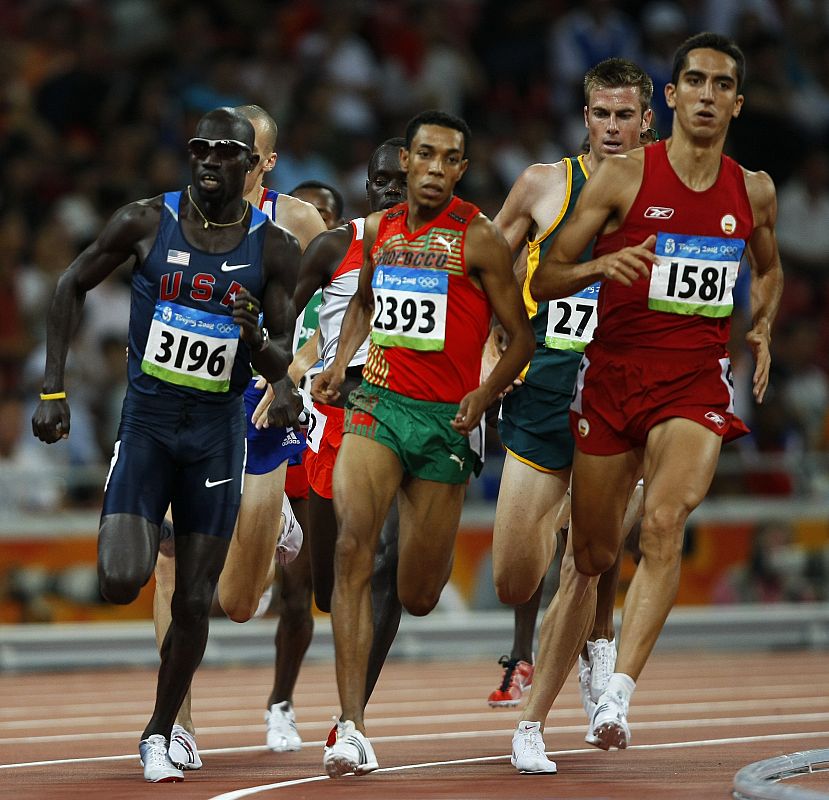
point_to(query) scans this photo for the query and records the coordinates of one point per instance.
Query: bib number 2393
(695, 274)
(409, 308)
(188, 347)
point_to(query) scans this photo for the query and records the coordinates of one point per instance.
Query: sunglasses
(226, 149)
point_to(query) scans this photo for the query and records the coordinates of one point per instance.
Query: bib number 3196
(188, 347)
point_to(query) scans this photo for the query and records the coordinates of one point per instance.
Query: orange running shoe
(518, 677)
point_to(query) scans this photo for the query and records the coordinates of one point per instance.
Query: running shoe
(282, 734)
(183, 751)
(609, 725)
(157, 765)
(518, 677)
(352, 752)
(528, 750)
(602, 664)
(290, 540)
(584, 686)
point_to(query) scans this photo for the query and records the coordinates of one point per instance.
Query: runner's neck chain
(208, 222)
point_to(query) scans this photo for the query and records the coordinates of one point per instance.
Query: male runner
(249, 567)
(204, 258)
(534, 421)
(434, 270)
(673, 222)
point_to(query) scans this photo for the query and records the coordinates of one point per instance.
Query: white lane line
(660, 724)
(481, 734)
(642, 709)
(241, 793)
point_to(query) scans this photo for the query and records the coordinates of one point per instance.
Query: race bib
(571, 321)
(316, 427)
(189, 347)
(694, 274)
(409, 307)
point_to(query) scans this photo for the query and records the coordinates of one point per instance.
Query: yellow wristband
(53, 396)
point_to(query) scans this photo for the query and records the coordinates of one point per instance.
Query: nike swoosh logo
(230, 267)
(208, 484)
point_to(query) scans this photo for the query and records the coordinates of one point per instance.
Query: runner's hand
(470, 411)
(326, 386)
(758, 339)
(629, 264)
(50, 422)
(286, 405)
(246, 316)
(259, 418)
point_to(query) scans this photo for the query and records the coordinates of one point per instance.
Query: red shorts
(620, 396)
(296, 480)
(325, 435)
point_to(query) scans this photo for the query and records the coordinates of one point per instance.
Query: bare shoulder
(623, 165)
(482, 234)
(279, 236)
(299, 217)
(540, 178)
(134, 221)
(760, 188)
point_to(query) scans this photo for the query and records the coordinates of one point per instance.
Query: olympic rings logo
(224, 327)
(428, 283)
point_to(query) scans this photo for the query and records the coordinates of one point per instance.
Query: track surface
(696, 718)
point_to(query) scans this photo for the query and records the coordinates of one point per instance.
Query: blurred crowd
(98, 98)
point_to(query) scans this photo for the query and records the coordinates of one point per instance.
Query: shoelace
(509, 665)
(602, 660)
(156, 754)
(533, 742)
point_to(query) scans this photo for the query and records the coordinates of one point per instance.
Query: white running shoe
(264, 602)
(280, 723)
(352, 752)
(290, 540)
(609, 725)
(528, 750)
(602, 664)
(157, 765)
(183, 751)
(584, 687)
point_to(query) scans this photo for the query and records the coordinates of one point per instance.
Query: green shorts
(418, 432)
(535, 427)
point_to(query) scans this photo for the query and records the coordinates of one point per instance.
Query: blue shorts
(269, 447)
(178, 453)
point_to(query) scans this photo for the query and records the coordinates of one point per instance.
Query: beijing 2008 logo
(167, 313)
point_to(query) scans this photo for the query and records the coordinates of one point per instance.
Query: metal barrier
(758, 781)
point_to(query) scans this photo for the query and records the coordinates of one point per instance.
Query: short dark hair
(614, 73)
(395, 143)
(339, 203)
(442, 118)
(709, 41)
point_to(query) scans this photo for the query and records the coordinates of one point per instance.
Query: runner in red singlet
(434, 271)
(654, 388)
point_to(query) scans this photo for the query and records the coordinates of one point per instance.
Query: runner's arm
(766, 276)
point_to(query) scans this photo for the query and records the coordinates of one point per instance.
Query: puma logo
(447, 243)
(457, 459)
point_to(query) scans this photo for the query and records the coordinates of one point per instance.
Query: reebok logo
(717, 419)
(208, 484)
(658, 212)
(230, 267)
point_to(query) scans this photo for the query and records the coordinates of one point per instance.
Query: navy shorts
(182, 453)
(269, 447)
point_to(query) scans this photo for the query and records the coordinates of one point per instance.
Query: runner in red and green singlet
(434, 270)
